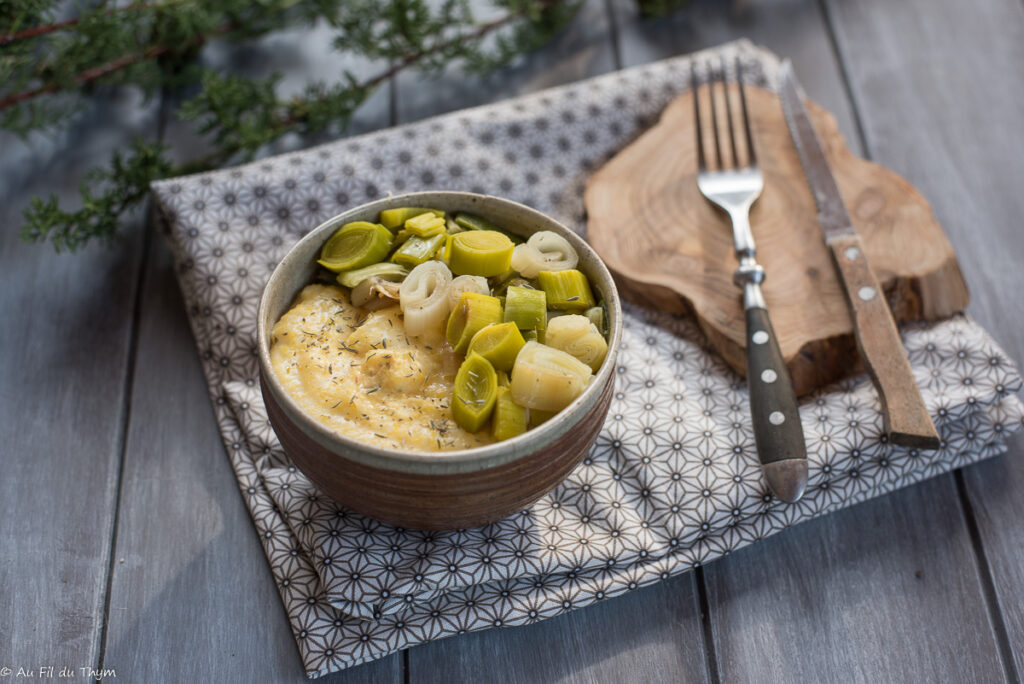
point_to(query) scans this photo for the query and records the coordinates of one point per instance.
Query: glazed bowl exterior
(448, 489)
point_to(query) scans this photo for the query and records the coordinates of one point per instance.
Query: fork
(734, 187)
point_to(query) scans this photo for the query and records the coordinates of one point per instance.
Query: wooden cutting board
(670, 249)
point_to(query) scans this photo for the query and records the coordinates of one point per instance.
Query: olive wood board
(671, 249)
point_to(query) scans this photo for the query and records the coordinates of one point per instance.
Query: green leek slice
(474, 222)
(381, 270)
(396, 218)
(474, 394)
(509, 418)
(472, 313)
(526, 307)
(480, 252)
(566, 290)
(499, 344)
(425, 225)
(355, 245)
(416, 250)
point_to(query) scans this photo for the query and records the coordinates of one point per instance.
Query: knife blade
(907, 422)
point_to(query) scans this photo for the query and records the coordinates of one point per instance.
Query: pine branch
(155, 45)
(87, 76)
(37, 31)
(105, 194)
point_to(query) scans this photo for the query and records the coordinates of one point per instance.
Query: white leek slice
(467, 283)
(544, 251)
(424, 297)
(578, 337)
(547, 379)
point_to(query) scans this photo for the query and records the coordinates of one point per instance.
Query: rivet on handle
(867, 293)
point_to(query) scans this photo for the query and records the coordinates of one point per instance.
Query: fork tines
(721, 93)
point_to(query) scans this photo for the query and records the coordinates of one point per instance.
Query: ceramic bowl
(449, 489)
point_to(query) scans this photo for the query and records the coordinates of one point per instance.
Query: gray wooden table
(124, 542)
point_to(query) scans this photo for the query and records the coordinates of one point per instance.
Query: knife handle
(907, 422)
(777, 430)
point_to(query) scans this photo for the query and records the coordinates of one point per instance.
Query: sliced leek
(546, 378)
(425, 225)
(355, 245)
(481, 253)
(375, 293)
(577, 336)
(509, 418)
(566, 290)
(544, 251)
(396, 218)
(499, 344)
(527, 308)
(595, 315)
(417, 250)
(424, 297)
(400, 237)
(474, 222)
(381, 270)
(474, 394)
(472, 313)
(467, 283)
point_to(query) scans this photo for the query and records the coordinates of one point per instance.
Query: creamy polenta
(360, 375)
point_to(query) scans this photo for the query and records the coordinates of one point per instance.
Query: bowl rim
(435, 462)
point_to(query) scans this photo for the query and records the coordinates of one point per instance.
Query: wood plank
(68, 324)
(654, 634)
(789, 27)
(921, 528)
(650, 635)
(884, 591)
(582, 50)
(191, 577)
(952, 108)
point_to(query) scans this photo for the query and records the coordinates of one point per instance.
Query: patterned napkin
(673, 481)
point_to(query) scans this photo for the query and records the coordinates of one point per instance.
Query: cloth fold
(673, 481)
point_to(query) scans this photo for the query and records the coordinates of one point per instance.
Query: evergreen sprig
(49, 66)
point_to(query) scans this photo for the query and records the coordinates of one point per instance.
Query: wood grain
(942, 119)
(857, 624)
(648, 635)
(680, 255)
(67, 336)
(904, 414)
(858, 597)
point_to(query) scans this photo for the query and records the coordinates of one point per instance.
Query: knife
(907, 422)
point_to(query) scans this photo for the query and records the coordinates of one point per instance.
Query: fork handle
(773, 407)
